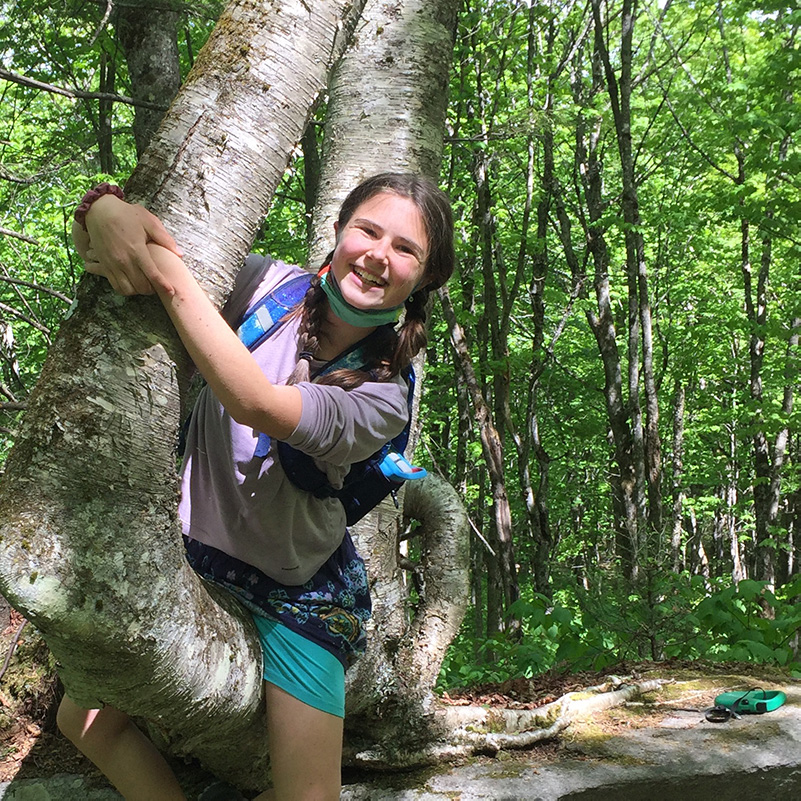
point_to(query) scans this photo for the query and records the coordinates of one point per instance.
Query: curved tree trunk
(89, 545)
(390, 699)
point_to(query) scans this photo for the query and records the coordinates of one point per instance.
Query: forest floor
(32, 747)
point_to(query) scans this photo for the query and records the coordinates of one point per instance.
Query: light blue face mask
(361, 318)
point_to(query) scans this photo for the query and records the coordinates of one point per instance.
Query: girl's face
(381, 252)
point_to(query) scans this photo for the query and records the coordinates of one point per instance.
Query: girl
(286, 554)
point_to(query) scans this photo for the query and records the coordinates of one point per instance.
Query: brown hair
(391, 351)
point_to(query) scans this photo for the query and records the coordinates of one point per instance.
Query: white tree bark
(471, 730)
(387, 102)
(89, 546)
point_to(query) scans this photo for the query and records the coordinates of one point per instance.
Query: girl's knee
(84, 726)
(71, 719)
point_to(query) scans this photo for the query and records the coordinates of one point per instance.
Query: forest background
(611, 378)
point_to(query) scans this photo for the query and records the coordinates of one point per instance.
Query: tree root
(471, 730)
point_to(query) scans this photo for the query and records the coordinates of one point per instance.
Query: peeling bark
(397, 674)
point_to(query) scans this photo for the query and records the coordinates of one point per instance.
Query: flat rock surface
(640, 752)
(660, 748)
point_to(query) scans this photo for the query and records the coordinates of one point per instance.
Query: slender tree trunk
(502, 517)
(677, 475)
(311, 174)
(149, 38)
(648, 456)
(491, 445)
(536, 501)
(105, 114)
(627, 489)
(769, 460)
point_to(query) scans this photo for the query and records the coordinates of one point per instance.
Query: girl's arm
(115, 245)
(226, 364)
(131, 248)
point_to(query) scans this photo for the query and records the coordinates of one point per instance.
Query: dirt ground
(30, 744)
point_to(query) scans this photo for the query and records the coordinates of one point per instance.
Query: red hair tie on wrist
(91, 196)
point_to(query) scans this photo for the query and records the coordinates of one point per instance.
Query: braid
(311, 319)
(412, 336)
(388, 356)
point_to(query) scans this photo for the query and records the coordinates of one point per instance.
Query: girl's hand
(115, 246)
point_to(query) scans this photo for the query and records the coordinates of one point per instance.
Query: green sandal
(752, 702)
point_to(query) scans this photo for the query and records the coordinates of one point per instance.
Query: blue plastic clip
(396, 467)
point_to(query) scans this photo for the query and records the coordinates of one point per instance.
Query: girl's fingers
(150, 273)
(158, 233)
(123, 283)
(118, 237)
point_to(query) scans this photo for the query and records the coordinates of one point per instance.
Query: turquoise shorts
(302, 668)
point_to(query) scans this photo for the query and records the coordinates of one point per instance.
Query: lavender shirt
(246, 506)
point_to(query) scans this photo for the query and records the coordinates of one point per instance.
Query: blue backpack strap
(265, 316)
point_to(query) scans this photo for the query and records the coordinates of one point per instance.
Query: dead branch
(472, 730)
(33, 323)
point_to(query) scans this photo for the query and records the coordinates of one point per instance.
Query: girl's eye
(408, 250)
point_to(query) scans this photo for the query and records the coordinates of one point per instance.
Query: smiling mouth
(368, 278)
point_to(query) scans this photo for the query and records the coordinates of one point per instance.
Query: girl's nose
(379, 250)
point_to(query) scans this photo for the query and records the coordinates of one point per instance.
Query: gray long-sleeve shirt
(246, 506)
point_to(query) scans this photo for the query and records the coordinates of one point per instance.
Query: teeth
(370, 279)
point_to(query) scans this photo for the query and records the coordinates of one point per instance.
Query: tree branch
(471, 730)
(75, 94)
(15, 179)
(38, 287)
(8, 232)
(15, 313)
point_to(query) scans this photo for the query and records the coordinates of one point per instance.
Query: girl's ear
(336, 228)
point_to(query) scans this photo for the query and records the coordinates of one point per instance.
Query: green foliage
(747, 623)
(672, 618)
(548, 635)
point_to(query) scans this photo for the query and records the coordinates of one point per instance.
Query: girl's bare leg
(305, 750)
(127, 758)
